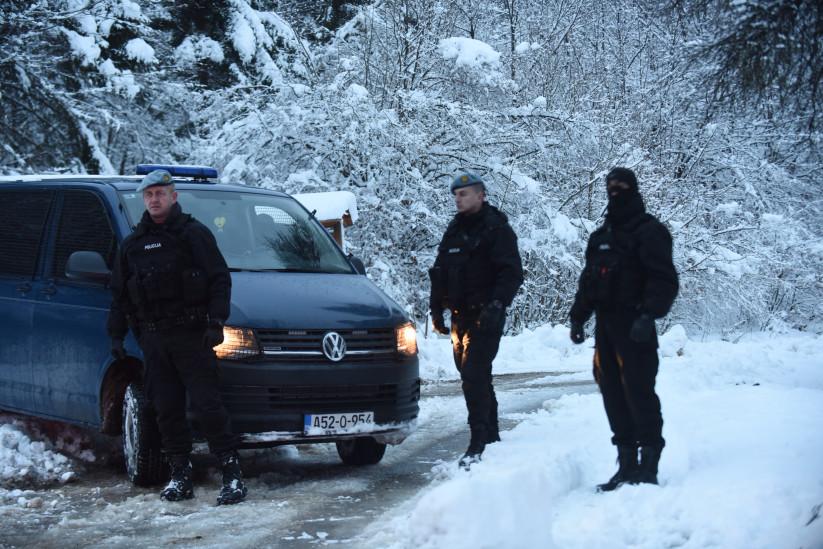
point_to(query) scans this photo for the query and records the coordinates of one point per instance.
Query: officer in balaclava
(629, 280)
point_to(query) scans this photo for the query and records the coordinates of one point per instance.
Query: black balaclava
(628, 202)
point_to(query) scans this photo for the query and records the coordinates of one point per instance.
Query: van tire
(360, 451)
(141, 439)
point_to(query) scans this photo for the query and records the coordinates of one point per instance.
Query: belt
(173, 322)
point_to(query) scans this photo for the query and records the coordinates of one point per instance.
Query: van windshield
(257, 232)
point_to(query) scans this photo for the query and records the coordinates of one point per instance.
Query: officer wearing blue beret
(475, 276)
(171, 285)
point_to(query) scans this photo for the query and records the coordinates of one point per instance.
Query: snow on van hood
(310, 300)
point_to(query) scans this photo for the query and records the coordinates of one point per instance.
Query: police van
(313, 351)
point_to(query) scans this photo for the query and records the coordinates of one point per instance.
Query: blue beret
(466, 179)
(157, 177)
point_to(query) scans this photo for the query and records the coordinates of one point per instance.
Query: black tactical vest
(164, 282)
(462, 276)
(615, 278)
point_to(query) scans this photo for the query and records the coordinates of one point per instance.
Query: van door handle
(49, 290)
(24, 288)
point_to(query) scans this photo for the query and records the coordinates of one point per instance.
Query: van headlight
(406, 337)
(237, 343)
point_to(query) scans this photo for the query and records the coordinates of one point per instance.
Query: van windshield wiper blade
(280, 270)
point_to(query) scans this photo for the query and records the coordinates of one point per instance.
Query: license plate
(335, 424)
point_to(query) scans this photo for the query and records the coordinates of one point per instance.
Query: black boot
(493, 434)
(627, 469)
(649, 458)
(475, 450)
(180, 486)
(233, 491)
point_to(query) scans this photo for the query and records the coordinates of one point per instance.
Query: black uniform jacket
(168, 271)
(477, 262)
(628, 269)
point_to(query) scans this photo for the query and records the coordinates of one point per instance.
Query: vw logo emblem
(334, 346)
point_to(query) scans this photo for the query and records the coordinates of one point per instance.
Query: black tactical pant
(474, 350)
(625, 371)
(177, 364)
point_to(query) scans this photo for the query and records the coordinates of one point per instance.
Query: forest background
(717, 105)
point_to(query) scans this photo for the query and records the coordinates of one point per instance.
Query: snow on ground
(544, 349)
(23, 461)
(742, 466)
(31, 457)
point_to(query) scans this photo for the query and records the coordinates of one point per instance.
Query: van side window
(84, 225)
(23, 215)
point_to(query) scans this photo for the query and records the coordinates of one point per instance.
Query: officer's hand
(438, 323)
(491, 316)
(577, 334)
(642, 329)
(213, 336)
(117, 350)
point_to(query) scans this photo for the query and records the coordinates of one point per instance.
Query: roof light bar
(198, 172)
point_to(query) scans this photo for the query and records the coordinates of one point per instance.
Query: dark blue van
(313, 350)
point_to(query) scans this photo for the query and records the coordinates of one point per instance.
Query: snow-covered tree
(713, 104)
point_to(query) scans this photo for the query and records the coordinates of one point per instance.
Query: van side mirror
(357, 263)
(85, 265)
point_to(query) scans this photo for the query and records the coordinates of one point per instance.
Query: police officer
(476, 276)
(171, 285)
(628, 281)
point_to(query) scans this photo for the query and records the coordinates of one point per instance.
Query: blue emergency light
(197, 172)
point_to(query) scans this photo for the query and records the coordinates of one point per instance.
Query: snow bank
(24, 461)
(37, 452)
(544, 349)
(742, 466)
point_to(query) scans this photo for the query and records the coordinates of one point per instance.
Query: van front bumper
(267, 401)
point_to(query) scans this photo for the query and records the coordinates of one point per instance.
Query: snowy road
(298, 497)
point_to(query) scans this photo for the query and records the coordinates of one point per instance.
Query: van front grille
(307, 345)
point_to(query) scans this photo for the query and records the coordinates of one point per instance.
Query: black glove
(438, 323)
(117, 350)
(491, 316)
(642, 329)
(214, 335)
(577, 334)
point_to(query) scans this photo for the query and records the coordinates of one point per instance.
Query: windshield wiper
(280, 270)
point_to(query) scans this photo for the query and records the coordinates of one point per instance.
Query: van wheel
(360, 451)
(141, 440)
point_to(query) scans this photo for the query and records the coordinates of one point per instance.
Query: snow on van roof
(330, 205)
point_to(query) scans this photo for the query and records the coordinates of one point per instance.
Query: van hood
(310, 301)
